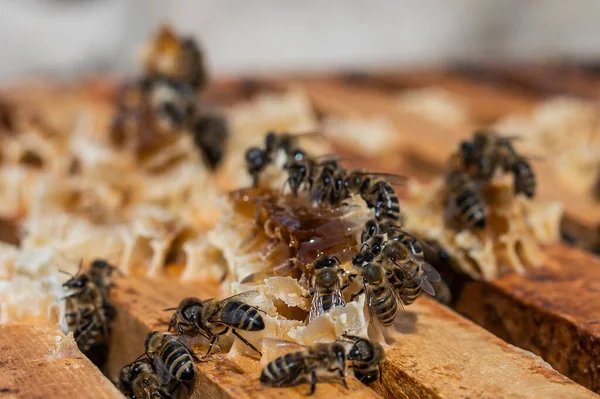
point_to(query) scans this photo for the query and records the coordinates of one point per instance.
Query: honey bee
(326, 286)
(407, 270)
(138, 380)
(231, 313)
(210, 132)
(308, 365)
(382, 300)
(377, 191)
(284, 144)
(329, 184)
(525, 181)
(465, 200)
(175, 57)
(172, 357)
(365, 358)
(88, 313)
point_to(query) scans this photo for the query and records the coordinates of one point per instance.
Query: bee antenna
(140, 356)
(67, 273)
(364, 244)
(337, 259)
(164, 310)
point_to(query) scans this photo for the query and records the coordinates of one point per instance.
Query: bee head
(270, 141)
(79, 281)
(362, 350)
(367, 377)
(354, 181)
(370, 230)
(327, 261)
(255, 158)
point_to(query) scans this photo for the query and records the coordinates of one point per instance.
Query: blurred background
(60, 37)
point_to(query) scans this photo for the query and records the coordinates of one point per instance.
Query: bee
(377, 191)
(173, 359)
(408, 272)
(525, 181)
(307, 365)
(210, 132)
(382, 300)
(328, 186)
(175, 57)
(326, 286)
(231, 313)
(139, 380)
(465, 199)
(365, 358)
(88, 315)
(257, 159)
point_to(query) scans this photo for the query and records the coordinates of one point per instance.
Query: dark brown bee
(175, 57)
(257, 159)
(231, 313)
(138, 380)
(382, 300)
(365, 358)
(88, 312)
(210, 132)
(525, 181)
(465, 200)
(377, 191)
(329, 184)
(306, 366)
(326, 286)
(409, 274)
(172, 358)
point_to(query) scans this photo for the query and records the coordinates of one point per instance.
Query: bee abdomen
(385, 306)
(470, 206)
(185, 369)
(283, 371)
(409, 293)
(178, 361)
(524, 178)
(242, 316)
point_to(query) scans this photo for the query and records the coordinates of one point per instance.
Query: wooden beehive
(551, 312)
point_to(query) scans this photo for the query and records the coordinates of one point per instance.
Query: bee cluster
(88, 312)
(390, 262)
(163, 102)
(476, 163)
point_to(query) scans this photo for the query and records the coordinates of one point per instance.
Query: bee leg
(172, 321)
(313, 382)
(357, 294)
(188, 386)
(244, 340)
(380, 375)
(343, 377)
(214, 339)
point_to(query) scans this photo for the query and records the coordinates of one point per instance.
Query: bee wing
(164, 375)
(370, 304)
(316, 306)
(187, 341)
(390, 177)
(243, 296)
(431, 274)
(273, 347)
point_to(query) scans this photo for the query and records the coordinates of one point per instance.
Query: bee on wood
(326, 286)
(377, 191)
(307, 365)
(210, 132)
(88, 312)
(465, 200)
(365, 358)
(231, 313)
(139, 380)
(175, 57)
(172, 357)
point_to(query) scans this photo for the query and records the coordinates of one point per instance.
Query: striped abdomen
(380, 195)
(287, 370)
(242, 316)
(524, 178)
(178, 361)
(384, 304)
(469, 205)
